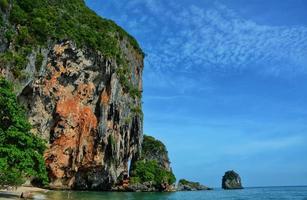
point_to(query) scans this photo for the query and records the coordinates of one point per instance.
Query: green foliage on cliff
(146, 171)
(123, 73)
(189, 183)
(14, 59)
(69, 19)
(35, 22)
(20, 151)
(152, 146)
(39, 61)
(136, 109)
(231, 175)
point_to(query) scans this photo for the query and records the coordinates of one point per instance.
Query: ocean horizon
(248, 193)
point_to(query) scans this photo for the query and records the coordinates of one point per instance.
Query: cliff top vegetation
(32, 23)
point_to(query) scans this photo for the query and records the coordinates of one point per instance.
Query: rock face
(85, 99)
(79, 105)
(184, 185)
(231, 180)
(82, 99)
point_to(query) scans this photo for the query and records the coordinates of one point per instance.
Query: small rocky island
(151, 170)
(231, 180)
(185, 185)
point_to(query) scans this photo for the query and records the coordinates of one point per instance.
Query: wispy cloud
(179, 38)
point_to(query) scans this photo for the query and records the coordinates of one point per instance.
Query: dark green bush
(29, 5)
(41, 28)
(18, 16)
(9, 34)
(145, 171)
(23, 37)
(21, 152)
(16, 60)
(39, 62)
(146, 168)
(150, 145)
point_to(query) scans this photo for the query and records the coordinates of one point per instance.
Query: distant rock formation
(184, 185)
(231, 180)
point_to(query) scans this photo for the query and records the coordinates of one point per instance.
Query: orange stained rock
(68, 108)
(88, 119)
(53, 82)
(105, 97)
(56, 171)
(49, 84)
(59, 49)
(88, 124)
(79, 124)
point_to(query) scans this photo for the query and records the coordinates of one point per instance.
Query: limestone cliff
(82, 92)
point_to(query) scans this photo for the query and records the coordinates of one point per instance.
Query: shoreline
(35, 192)
(27, 191)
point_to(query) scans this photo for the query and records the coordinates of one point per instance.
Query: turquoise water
(265, 193)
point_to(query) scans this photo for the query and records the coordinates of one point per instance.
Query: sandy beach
(16, 193)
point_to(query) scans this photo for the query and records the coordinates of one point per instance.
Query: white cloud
(183, 38)
(218, 36)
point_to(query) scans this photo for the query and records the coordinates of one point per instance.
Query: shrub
(9, 34)
(39, 62)
(146, 171)
(152, 146)
(18, 16)
(21, 153)
(137, 110)
(147, 168)
(4, 4)
(17, 61)
(23, 38)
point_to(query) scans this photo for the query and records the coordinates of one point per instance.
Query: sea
(252, 193)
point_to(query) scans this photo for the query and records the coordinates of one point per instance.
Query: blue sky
(224, 84)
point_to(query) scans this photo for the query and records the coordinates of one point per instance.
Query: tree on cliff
(20, 150)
